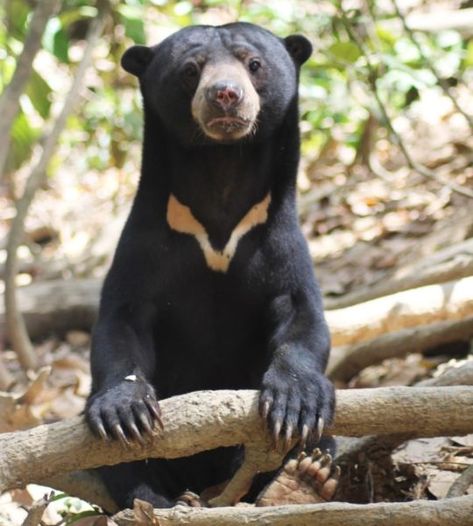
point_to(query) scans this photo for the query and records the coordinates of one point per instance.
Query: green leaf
(59, 496)
(23, 137)
(74, 15)
(38, 90)
(55, 40)
(17, 12)
(468, 60)
(83, 514)
(61, 46)
(345, 51)
(385, 35)
(132, 20)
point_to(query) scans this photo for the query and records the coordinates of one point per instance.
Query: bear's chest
(218, 241)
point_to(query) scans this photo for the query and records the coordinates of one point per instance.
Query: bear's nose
(225, 95)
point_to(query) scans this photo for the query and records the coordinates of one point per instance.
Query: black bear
(211, 286)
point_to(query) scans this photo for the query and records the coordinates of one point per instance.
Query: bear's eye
(254, 65)
(190, 70)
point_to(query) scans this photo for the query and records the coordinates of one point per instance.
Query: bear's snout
(225, 104)
(225, 95)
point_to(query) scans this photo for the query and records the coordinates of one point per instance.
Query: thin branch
(346, 362)
(6, 379)
(37, 510)
(17, 332)
(10, 99)
(462, 483)
(441, 81)
(372, 77)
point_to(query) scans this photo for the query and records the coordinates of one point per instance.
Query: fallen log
(346, 362)
(456, 511)
(371, 450)
(58, 306)
(90, 488)
(448, 264)
(410, 308)
(205, 420)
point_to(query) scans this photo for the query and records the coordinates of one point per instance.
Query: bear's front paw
(292, 402)
(124, 411)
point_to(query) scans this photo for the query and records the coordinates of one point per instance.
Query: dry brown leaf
(17, 410)
(467, 440)
(440, 482)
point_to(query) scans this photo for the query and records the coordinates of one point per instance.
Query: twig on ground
(462, 483)
(36, 511)
(346, 362)
(447, 264)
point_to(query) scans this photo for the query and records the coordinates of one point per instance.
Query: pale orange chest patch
(181, 219)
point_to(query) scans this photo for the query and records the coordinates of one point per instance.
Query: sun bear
(212, 285)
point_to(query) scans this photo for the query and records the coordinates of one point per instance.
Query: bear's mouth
(228, 124)
(228, 127)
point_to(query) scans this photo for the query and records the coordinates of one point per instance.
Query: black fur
(180, 326)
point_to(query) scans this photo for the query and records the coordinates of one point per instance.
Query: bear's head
(219, 84)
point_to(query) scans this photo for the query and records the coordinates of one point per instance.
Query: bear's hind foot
(307, 479)
(191, 499)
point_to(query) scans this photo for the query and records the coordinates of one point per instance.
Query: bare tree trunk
(10, 99)
(17, 331)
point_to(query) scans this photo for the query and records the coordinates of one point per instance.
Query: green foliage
(336, 96)
(23, 138)
(131, 16)
(39, 93)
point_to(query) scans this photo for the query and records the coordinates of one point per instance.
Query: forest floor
(363, 227)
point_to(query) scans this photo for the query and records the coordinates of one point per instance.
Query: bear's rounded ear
(136, 59)
(299, 48)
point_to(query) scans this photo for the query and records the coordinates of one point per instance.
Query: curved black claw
(145, 423)
(125, 411)
(290, 402)
(120, 435)
(155, 410)
(101, 431)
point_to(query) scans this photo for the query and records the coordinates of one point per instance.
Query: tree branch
(206, 420)
(462, 483)
(447, 512)
(442, 82)
(346, 362)
(447, 264)
(17, 331)
(6, 379)
(372, 76)
(10, 98)
(450, 301)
